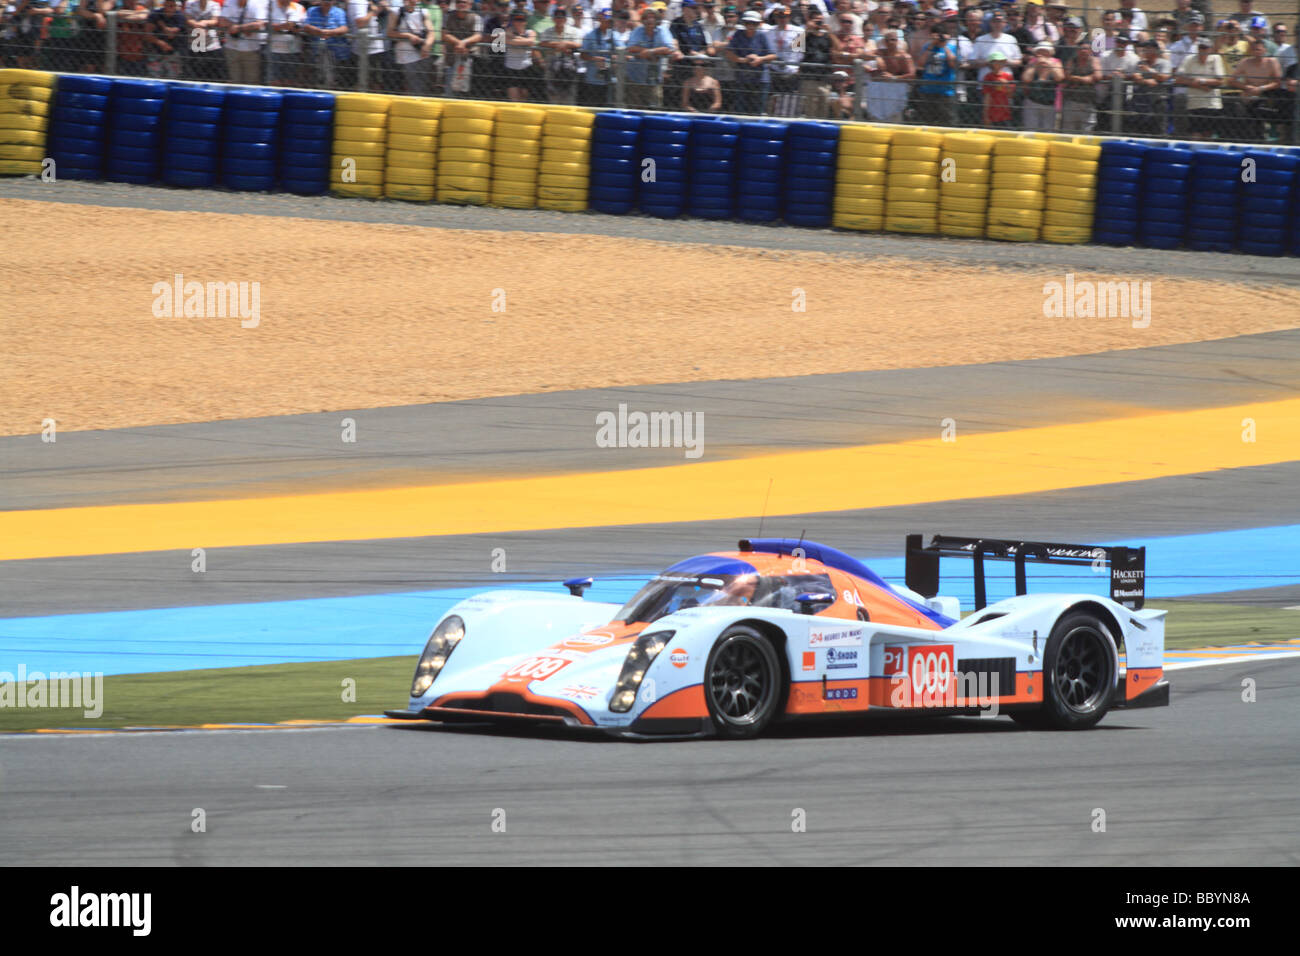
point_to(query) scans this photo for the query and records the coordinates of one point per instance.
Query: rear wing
(1127, 566)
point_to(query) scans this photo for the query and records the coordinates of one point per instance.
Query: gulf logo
(678, 657)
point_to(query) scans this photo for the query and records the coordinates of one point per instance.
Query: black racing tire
(1079, 669)
(742, 683)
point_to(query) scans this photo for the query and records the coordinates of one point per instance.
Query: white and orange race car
(784, 629)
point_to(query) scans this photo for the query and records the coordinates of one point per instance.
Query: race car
(783, 629)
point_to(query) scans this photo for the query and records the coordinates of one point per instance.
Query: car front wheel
(742, 682)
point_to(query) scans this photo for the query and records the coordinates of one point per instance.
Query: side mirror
(577, 585)
(808, 601)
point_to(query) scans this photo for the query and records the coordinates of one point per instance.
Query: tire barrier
(516, 156)
(135, 126)
(615, 169)
(306, 142)
(1212, 200)
(1071, 191)
(250, 150)
(861, 166)
(1018, 189)
(760, 171)
(360, 143)
(26, 102)
(712, 164)
(78, 135)
(564, 176)
(1267, 204)
(965, 177)
(465, 152)
(1119, 187)
(192, 138)
(662, 164)
(411, 163)
(912, 183)
(811, 160)
(1166, 172)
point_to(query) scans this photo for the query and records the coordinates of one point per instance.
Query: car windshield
(669, 593)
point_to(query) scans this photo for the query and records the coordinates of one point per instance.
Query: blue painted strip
(325, 629)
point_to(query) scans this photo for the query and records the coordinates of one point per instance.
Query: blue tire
(320, 118)
(304, 187)
(241, 150)
(72, 83)
(121, 167)
(206, 96)
(137, 122)
(127, 154)
(78, 117)
(713, 154)
(1262, 248)
(662, 212)
(253, 118)
(139, 107)
(301, 100)
(611, 194)
(133, 139)
(252, 184)
(80, 172)
(190, 178)
(80, 101)
(256, 100)
(609, 206)
(195, 147)
(205, 115)
(192, 162)
(139, 89)
(249, 168)
(75, 160)
(83, 147)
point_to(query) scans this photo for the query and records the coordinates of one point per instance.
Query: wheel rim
(740, 682)
(1082, 670)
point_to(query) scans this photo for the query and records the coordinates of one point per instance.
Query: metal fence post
(1116, 104)
(859, 89)
(110, 43)
(363, 69)
(620, 79)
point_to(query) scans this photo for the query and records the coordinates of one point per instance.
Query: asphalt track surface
(1207, 780)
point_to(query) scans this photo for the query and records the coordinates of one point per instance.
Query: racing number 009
(536, 668)
(931, 670)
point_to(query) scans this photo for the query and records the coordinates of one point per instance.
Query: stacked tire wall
(564, 177)
(1071, 191)
(79, 127)
(135, 131)
(251, 139)
(26, 102)
(760, 171)
(965, 177)
(360, 143)
(306, 142)
(516, 156)
(615, 171)
(861, 169)
(411, 163)
(465, 153)
(192, 137)
(912, 186)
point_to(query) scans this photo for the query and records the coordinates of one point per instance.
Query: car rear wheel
(1078, 675)
(742, 682)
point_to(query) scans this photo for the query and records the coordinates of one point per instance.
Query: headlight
(644, 650)
(442, 642)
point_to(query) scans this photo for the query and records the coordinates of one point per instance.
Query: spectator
(821, 48)
(490, 54)
(648, 48)
(203, 57)
(1117, 67)
(540, 20)
(710, 18)
(244, 23)
(461, 33)
(996, 87)
(691, 38)
(936, 93)
(1110, 27)
(1257, 78)
(327, 25)
(1079, 106)
(1150, 77)
(1202, 74)
(523, 75)
(132, 23)
(1185, 45)
(413, 32)
(598, 50)
(1232, 48)
(888, 77)
(1258, 27)
(1072, 39)
(1246, 12)
(1041, 79)
(284, 48)
(750, 51)
(164, 39)
(996, 39)
(59, 51)
(368, 21)
(1286, 55)
(1137, 19)
(1183, 13)
(724, 71)
(852, 45)
(840, 98)
(788, 42)
(1039, 28)
(701, 93)
(559, 44)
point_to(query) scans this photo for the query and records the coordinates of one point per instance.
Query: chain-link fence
(1220, 92)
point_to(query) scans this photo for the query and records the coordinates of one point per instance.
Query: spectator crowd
(1184, 72)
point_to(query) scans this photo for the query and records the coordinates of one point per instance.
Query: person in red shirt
(998, 85)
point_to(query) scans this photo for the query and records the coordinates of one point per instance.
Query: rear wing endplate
(1127, 566)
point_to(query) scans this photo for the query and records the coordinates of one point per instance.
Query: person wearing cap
(996, 88)
(1117, 66)
(1202, 75)
(524, 78)
(1071, 39)
(839, 98)
(1079, 98)
(692, 38)
(750, 50)
(599, 47)
(559, 44)
(1041, 82)
(821, 47)
(1185, 45)
(1150, 79)
(1258, 79)
(649, 46)
(462, 30)
(1258, 27)
(996, 39)
(783, 75)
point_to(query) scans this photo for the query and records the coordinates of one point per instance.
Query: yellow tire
(926, 227)
(362, 179)
(22, 137)
(1017, 199)
(963, 190)
(967, 177)
(1067, 234)
(415, 160)
(1078, 182)
(463, 197)
(472, 127)
(562, 205)
(913, 181)
(24, 107)
(915, 167)
(968, 143)
(1074, 207)
(516, 132)
(1007, 216)
(1075, 220)
(964, 219)
(1069, 168)
(1071, 193)
(464, 140)
(561, 193)
(911, 210)
(408, 193)
(360, 147)
(862, 133)
(958, 204)
(564, 169)
(356, 190)
(361, 103)
(912, 194)
(913, 154)
(964, 232)
(916, 137)
(966, 162)
(557, 120)
(512, 161)
(564, 143)
(863, 150)
(27, 93)
(1033, 165)
(28, 78)
(514, 200)
(359, 162)
(18, 167)
(521, 115)
(859, 191)
(409, 176)
(461, 109)
(1023, 181)
(1076, 152)
(860, 207)
(468, 170)
(572, 182)
(31, 153)
(515, 148)
(859, 223)
(346, 118)
(864, 178)
(22, 121)
(1020, 146)
(413, 125)
(511, 174)
(411, 143)
(455, 154)
(860, 173)
(415, 108)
